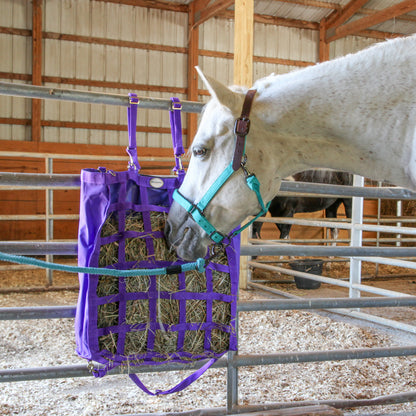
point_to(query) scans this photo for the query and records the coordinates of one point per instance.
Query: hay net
(141, 320)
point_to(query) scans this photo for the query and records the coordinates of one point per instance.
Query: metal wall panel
(15, 56)
(97, 62)
(88, 62)
(349, 44)
(269, 41)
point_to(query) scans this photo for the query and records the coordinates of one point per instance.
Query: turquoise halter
(241, 129)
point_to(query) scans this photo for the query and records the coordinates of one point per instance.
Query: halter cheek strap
(241, 129)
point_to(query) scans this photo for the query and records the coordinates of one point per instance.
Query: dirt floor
(24, 347)
(387, 277)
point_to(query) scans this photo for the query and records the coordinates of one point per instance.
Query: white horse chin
(186, 240)
(191, 247)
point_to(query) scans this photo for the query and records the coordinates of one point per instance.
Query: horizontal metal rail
(299, 188)
(70, 248)
(316, 251)
(329, 280)
(61, 312)
(42, 373)
(52, 93)
(340, 225)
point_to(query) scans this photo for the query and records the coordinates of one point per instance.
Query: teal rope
(199, 265)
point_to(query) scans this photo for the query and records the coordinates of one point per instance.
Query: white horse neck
(356, 113)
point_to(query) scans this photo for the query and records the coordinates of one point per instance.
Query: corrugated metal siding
(349, 44)
(117, 64)
(15, 56)
(94, 62)
(269, 41)
(112, 63)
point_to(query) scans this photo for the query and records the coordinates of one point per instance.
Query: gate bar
(42, 373)
(299, 188)
(32, 91)
(52, 312)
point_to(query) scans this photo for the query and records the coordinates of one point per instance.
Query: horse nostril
(167, 230)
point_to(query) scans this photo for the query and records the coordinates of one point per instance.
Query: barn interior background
(151, 47)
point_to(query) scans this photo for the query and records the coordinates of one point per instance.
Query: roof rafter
(154, 4)
(314, 3)
(345, 13)
(203, 12)
(369, 21)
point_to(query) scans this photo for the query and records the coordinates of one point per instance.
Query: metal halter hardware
(241, 129)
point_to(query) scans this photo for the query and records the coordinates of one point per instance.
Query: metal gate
(234, 360)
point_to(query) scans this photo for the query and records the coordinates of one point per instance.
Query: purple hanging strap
(180, 386)
(131, 125)
(176, 129)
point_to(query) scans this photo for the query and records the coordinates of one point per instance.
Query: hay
(107, 315)
(137, 283)
(194, 342)
(107, 285)
(196, 311)
(137, 311)
(108, 254)
(136, 343)
(220, 340)
(195, 282)
(221, 282)
(110, 226)
(108, 342)
(136, 249)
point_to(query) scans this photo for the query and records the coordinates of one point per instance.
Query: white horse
(356, 113)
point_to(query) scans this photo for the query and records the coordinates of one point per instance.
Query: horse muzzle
(184, 236)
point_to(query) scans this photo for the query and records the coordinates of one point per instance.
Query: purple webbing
(176, 129)
(131, 125)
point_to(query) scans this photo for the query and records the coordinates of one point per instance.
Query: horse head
(212, 152)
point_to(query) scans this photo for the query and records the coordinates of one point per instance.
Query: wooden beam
(114, 42)
(347, 12)
(313, 3)
(152, 4)
(277, 21)
(193, 54)
(36, 66)
(243, 42)
(243, 75)
(323, 44)
(199, 5)
(369, 21)
(213, 10)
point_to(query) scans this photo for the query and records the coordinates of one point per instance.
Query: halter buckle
(242, 126)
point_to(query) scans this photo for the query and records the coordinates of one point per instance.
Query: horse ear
(223, 94)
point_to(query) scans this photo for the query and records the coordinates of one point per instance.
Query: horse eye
(199, 152)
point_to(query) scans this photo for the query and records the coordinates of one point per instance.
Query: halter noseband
(241, 129)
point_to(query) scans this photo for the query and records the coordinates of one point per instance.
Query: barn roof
(371, 18)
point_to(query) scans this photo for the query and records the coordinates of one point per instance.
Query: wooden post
(193, 36)
(323, 45)
(36, 66)
(243, 42)
(243, 75)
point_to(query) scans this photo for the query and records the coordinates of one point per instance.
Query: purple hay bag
(104, 192)
(100, 193)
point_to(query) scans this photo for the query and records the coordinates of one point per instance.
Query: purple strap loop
(176, 129)
(180, 386)
(131, 125)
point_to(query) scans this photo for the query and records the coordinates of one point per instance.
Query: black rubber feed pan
(313, 266)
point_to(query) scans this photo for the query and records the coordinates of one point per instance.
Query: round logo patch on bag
(156, 182)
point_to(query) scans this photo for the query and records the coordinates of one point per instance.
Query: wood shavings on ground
(51, 343)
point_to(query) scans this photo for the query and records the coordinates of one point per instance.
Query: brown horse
(287, 206)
